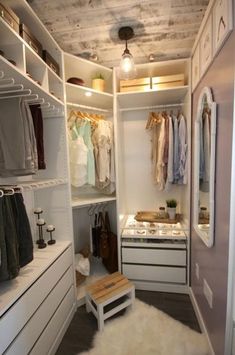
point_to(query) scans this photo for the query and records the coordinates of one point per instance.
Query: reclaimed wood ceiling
(89, 28)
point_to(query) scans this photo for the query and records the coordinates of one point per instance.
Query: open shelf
(11, 71)
(11, 290)
(86, 200)
(129, 100)
(77, 95)
(97, 272)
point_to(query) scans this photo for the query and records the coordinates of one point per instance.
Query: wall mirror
(204, 168)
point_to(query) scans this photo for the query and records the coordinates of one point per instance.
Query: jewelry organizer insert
(154, 252)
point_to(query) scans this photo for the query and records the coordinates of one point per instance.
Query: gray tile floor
(83, 327)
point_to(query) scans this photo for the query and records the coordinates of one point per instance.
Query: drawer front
(154, 256)
(155, 273)
(28, 336)
(48, 337)
(18, 315)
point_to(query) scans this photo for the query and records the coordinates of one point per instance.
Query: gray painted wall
(213, 262)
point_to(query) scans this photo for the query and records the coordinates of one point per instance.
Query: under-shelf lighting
(88, 93)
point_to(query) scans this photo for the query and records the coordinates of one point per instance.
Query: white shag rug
(144, 330)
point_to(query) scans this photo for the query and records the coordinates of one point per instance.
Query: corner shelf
(77, 95)
(129, 100)
(20, 78)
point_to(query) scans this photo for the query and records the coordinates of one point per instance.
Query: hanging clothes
(85, 133)
(20, 158)
(38, 130)
(182, 150)
(176, 150)
(78, 154)
(169, 149)
(16, 243)
(160, 158)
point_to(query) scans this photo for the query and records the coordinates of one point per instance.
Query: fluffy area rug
(144, 330)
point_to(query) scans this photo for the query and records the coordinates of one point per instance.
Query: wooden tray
(149, 216)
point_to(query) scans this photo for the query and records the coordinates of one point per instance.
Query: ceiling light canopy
(127, 68)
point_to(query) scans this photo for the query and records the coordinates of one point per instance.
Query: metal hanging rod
(150, 107)
(12, 89)
(88, 107)
(21, 93)
(6, 82)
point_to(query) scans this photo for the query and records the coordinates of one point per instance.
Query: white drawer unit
(48, 290)
(175, 275)
(158, 261)
(154, 256)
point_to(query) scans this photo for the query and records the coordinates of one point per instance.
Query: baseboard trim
(200, 319)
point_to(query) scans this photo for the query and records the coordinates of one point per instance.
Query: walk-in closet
(116, 177)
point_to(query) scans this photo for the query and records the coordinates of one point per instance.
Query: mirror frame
(205, 97)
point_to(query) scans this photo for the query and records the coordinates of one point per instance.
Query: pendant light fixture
(127, 68)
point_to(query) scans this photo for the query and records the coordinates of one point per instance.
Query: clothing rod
(14, 89)
(149, 107)
(26, 92)
(6, 82)
(88, 107)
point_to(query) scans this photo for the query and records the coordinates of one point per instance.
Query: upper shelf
(84, 200)
(78, 95)
(11, 71)
(170, 96)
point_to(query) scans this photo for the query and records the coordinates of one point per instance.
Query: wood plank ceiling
(89, 28)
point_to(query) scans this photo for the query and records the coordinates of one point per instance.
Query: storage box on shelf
(9, 16)
(29, 18)
(30, 39)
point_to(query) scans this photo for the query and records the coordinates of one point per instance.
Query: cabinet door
(154, 256)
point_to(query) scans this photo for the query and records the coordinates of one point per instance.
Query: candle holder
(41, 242)
(38, 211)
(50, 230)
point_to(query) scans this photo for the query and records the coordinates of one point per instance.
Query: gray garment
(18, 150)
(182, 150)
(176, 150)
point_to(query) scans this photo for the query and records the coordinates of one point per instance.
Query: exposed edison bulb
(127, 67)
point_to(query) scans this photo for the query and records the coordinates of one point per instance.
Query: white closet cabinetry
(87, 200)
(39, 304)
(151, 262)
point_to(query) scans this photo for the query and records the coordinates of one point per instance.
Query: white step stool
(105, 291)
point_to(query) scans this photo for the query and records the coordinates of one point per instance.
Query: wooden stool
(105, 291)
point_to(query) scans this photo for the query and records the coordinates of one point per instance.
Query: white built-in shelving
(78, 95)
(86, 200)
(43, 258)
(169, 96)
(48, 188)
